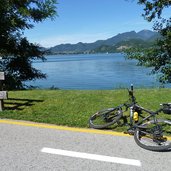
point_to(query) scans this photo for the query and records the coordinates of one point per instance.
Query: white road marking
(92, 156)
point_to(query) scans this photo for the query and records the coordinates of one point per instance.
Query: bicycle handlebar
(132, 87)
(131, 93)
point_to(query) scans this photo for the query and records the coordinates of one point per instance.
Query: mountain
(146, 34)
(120, 46)
(143, 35)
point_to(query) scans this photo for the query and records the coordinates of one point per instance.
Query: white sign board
(3, 95)
(2, 76)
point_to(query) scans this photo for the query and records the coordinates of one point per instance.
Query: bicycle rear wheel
(105, 118)
(154, 136)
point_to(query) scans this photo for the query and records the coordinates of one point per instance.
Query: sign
(2, 76)
(3, 95)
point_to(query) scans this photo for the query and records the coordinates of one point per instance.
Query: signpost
(3, 94)
(2, 76)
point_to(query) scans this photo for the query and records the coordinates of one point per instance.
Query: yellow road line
(65, 128)
(48, 126)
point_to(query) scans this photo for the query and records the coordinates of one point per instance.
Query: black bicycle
(149, 132)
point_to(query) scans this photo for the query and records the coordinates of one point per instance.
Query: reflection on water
(93, 71)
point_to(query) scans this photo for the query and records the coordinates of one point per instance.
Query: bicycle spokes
(105, 118)
(153, 136)
(150, 137)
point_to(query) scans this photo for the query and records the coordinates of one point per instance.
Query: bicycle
(149, 132)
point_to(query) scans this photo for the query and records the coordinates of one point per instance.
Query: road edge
(64, 128)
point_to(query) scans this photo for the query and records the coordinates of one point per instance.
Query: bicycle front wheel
(154, 136)
(105, 118)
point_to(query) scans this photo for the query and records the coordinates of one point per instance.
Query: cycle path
(32, 146)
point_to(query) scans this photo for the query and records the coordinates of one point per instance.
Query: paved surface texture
(21, 149)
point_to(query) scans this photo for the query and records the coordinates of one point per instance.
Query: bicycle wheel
(105, 118)
(154, 136)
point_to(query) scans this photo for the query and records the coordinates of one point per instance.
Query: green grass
(74, 107)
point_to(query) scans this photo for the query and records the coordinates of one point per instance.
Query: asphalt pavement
(31, 146)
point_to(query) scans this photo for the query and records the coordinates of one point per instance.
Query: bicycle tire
(142, 136)
(106, 118)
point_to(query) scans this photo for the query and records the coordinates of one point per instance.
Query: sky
(88, 21)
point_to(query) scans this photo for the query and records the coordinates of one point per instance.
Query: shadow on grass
(19, 104)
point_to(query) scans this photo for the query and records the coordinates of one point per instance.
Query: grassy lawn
(74, 107)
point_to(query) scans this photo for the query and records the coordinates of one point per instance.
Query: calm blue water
(92, 71)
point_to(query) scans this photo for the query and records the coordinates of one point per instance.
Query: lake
(92, 71)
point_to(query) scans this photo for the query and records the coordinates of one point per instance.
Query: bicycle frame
(151, 114)
(133, 105)
(149, 131)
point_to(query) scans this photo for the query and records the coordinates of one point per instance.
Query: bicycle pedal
(130, 132)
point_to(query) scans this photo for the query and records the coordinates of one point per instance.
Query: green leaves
(153, 9)
(158, 56)
(18, 53)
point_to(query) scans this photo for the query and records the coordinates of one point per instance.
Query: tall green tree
(18, 53)
(158, 56)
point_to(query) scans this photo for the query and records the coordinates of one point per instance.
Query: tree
(17, 52)
(159, 55)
